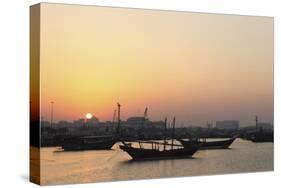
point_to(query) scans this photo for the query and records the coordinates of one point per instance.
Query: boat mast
(173, 132)
(165, 134)
(118, 118)
(52, 113)
(256, 123)
(144, 120)
(208, 131)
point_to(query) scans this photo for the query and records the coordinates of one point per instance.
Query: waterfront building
(227, 125)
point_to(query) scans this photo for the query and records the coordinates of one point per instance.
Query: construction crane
(141, 130)
(145, 113)
(114, 116)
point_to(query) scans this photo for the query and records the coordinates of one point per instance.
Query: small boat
(221, 144)
(262, 137)
(159, 150)
(88, 143)
(81, 143)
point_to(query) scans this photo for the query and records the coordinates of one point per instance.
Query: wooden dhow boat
(159, 150)
(220, 144)
(103, 142)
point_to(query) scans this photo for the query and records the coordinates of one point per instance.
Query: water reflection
(114, 165)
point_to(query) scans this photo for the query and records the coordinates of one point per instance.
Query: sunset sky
(198, 67)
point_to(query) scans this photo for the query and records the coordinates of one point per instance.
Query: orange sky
(196, 66)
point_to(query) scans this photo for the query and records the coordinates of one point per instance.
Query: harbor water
(116, 165)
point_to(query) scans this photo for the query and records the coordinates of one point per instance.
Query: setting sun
(89, 116)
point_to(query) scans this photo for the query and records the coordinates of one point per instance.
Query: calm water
(112, 165)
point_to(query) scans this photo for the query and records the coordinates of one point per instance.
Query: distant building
(93, 121)
(158, 124)
(64, 123)
(265, 126)
(136, 121)
(79, 122)
(227, 125)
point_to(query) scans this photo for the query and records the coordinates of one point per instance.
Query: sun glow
(166, 65)
(89, 116)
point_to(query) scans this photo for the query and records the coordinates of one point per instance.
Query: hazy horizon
(195, 66)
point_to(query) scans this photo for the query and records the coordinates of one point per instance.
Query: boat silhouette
(159, 150)
(155, 153)
(89, 143)
(260, 135)
(204, 144)
(103, 142)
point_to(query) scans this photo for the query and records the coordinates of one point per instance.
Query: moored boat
(89, 143)
(156, 153)
(103, 142)
(260, 135)
(159, 150)
(221, 144)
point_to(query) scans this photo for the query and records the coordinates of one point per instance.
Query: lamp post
(52, 111)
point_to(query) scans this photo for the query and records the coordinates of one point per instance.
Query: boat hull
(224, 144)
(151, 154)
(263, 137)
(101, 145)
